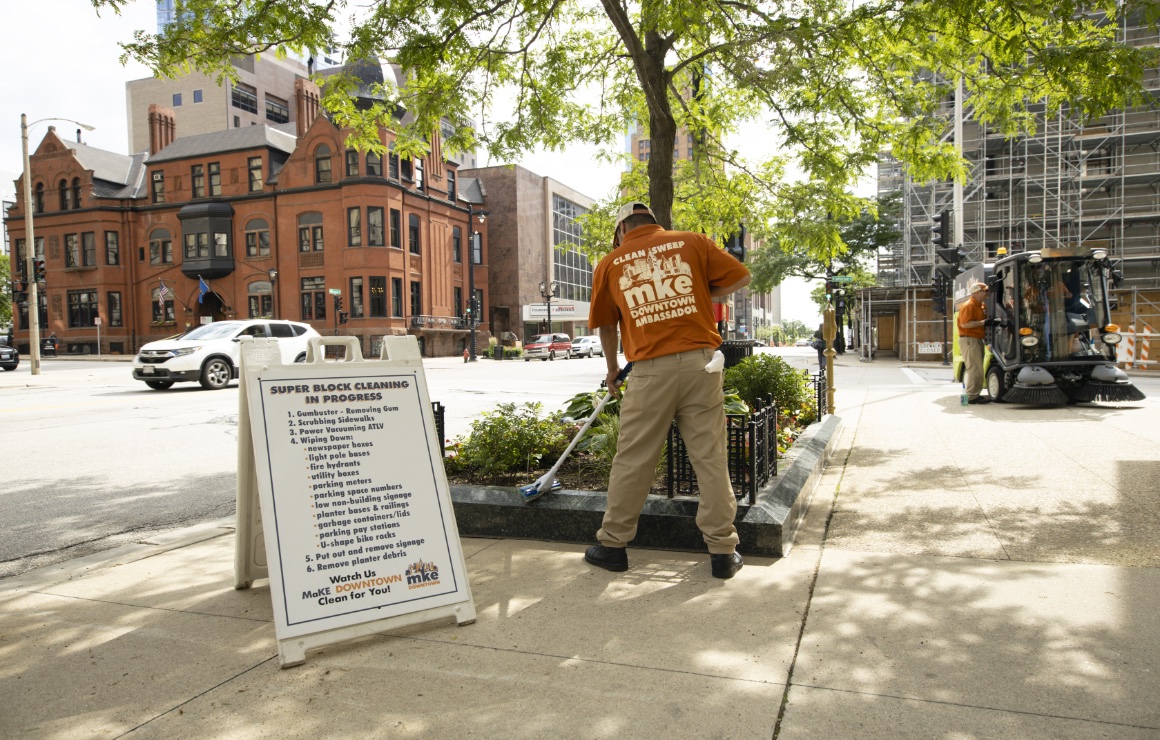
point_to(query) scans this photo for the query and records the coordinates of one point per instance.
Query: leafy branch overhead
(833, 82)
(861, 240)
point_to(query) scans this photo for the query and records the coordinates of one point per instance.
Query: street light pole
(471, 281)
(476, 244)
(29, 256)
(548, 291)
(30, 243)
(273, 292)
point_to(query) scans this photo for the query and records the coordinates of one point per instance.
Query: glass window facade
(571, 268)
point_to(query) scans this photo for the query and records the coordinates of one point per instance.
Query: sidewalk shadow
(78, 516)
(964, 632)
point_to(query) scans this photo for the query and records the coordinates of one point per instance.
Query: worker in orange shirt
(972, 319)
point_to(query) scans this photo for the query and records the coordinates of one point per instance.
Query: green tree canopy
(861, 238)
(836, 82)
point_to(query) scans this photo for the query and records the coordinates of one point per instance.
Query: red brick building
(269, 218)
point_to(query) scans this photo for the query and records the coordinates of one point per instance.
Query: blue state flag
(202, 289)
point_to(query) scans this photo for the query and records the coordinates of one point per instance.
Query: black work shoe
(724, 566)
(609, 558)
(979, 399)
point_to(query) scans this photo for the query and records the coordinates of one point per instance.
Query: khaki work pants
(663, 389)
(972, 350)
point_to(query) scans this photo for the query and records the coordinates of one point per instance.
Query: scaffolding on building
(1069, 183)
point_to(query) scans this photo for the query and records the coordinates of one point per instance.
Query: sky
(65, 61)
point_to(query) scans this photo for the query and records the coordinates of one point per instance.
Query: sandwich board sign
(342, 497)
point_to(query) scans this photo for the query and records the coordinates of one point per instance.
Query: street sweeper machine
(1049, 337)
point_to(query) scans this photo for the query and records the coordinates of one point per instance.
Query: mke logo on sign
(656, 287)
(421, 575)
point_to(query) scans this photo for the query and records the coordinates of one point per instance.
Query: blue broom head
(532, 491)
(1035, 395)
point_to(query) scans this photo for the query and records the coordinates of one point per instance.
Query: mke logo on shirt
(656, 287)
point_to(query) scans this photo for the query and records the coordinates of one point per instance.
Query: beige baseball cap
(629, 209)
(976, 287)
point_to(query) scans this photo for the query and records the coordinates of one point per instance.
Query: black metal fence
(736, 350)
(819, 382)
(752, 452)
(440, 414)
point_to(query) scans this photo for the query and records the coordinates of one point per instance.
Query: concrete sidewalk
(987, 571)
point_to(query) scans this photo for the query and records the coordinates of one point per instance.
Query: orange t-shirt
(972, 310)
(656, 286)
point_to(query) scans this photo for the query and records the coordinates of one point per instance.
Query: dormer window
(197, 180)
(322, 164)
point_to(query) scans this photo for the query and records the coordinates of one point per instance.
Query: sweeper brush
(1035, 395)
(547, 482)
(1109, 392)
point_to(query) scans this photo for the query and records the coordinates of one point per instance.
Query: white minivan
(210, 353)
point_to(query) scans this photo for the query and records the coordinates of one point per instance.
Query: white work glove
(716, 364)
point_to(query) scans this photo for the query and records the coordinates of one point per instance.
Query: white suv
(210, 353)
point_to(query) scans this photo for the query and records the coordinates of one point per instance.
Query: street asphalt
(963, 572)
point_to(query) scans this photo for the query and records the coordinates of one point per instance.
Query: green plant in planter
(759, 376)
(509, 440)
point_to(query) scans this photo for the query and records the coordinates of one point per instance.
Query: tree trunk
(662, 129)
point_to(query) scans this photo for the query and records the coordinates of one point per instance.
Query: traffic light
(950, 262)
(938, 295)
(343, 316)
(831, 286)
(940, 229)
(38, 270)
(735, 245)
(19, 292)
(338, 304)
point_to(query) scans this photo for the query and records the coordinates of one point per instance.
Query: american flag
(164, 291)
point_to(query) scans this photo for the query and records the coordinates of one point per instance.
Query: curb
(766, 529)
(48, 576)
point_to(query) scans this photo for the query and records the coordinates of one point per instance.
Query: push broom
(547, 482)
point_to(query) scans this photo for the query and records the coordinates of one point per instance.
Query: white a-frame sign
(355, 527)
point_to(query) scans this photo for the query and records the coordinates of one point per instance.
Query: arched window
(322, 163)
(257, 238)
(160, 247)
(261, 300)
(40, 197)
(310, 232)
(76, 192)
(65, 196)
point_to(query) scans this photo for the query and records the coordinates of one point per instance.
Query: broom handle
(551, 474)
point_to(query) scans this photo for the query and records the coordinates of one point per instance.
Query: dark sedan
(9, 357)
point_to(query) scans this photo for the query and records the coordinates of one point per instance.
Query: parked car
(210, 353)
(803, 342)
(9, 357)
(547, 346)
(587, 346)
